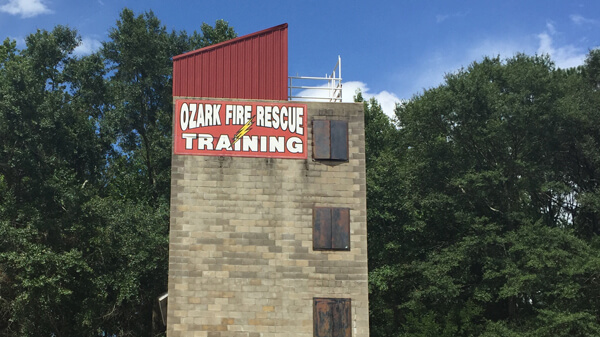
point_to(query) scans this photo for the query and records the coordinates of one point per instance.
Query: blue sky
(390, 49)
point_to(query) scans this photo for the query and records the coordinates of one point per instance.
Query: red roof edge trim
(224, 43)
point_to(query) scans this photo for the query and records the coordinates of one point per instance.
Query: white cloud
(430, 72)
(443, 17)
(550, 27)
(25, 8)
(386, 99)
(87, 46)
(566, 56)
(493, 48)
(580, 20)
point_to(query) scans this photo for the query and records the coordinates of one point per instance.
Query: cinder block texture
(241, 258)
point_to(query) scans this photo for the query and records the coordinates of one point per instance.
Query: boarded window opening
(331, 228)
(332, 317)
(330, 140)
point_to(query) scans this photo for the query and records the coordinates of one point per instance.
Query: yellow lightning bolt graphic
(244, 130)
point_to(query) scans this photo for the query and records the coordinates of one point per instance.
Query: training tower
(268, 232)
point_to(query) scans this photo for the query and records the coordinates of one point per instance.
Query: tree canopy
(483, 204)
(84, 178)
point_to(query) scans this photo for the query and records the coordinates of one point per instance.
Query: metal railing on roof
(299, 88)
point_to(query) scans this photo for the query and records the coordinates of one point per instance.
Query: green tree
(210, 35)
(138, 119)
(382, 146)
(494, 229)
(85, 178)
(50, 159)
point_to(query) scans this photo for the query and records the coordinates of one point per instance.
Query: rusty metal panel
(340, 228)
(332, 317)
(322, 228)
(321, 139)
(253, 66)
(339, 140)
(323, 317)
(342, 318)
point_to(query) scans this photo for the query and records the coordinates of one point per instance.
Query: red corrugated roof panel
(253, 66)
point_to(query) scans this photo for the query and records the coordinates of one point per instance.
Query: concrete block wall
(241, 261)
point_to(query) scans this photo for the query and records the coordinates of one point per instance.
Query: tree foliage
(483, 210)
(84, 178)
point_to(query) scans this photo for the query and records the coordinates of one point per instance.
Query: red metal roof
(252, 66)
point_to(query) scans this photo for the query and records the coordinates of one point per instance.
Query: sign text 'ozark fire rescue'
(240, 128)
